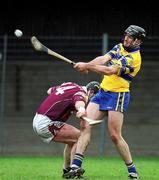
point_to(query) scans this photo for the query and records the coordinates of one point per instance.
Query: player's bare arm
(104, 70)
(100, 60)
(80, 107)
(100, 69)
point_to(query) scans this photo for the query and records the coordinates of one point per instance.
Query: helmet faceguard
(136, 32)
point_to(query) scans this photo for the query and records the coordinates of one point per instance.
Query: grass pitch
(50, 168)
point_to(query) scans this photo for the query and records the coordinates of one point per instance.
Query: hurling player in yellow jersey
(119, 66)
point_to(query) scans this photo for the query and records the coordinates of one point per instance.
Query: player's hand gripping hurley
(40, 47)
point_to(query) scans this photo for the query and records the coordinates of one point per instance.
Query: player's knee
(84, 125)
(115, 138)
(70, 144)
(75, 136)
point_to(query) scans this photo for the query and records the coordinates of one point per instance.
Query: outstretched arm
(97, 65)
(100, 69)
(101, 60)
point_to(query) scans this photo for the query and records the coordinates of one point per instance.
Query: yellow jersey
(129, 62)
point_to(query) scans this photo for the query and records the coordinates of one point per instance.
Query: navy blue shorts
(115, 101)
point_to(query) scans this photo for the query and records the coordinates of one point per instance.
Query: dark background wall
(76, 19)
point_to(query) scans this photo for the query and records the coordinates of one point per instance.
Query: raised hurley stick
(40, 47)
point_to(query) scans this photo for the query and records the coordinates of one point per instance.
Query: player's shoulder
(80, 93)
(117, 47)
(136, 54)
(72, 85)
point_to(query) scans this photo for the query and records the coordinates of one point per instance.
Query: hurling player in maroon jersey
(50, 119)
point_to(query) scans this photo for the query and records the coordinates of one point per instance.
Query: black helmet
(136, 32)
(93, 85)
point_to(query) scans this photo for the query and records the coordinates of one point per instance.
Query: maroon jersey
(61, 102)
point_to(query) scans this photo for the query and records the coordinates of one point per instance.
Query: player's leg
(115, 122)
(57, 131)
(67, 156)
(68, 135)
(84, 139)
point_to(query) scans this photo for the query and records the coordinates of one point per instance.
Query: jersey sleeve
(79, 96)
(53, 89)
(126, 65)
(113, 51)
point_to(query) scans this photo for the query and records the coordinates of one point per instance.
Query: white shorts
(41, 125)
